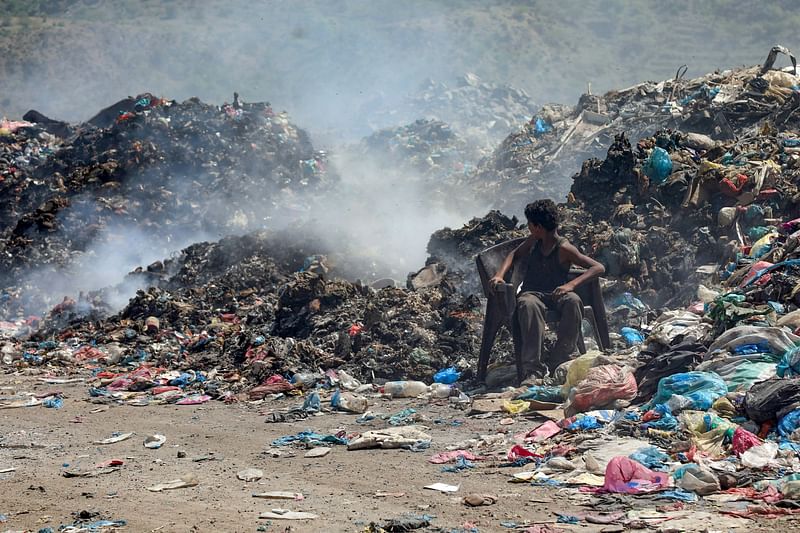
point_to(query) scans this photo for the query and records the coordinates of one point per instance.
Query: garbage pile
(426, 148)
(162, 171)
(535, 161)
(240, 311)
(481, 112)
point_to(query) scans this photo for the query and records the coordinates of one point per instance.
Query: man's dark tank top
(545, 272)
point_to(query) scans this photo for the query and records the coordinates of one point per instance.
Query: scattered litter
(184, 482)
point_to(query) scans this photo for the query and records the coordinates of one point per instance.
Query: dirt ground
(219, 440)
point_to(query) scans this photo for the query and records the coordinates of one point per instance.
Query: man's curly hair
(543, 213)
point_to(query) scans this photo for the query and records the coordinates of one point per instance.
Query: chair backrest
(489, 260)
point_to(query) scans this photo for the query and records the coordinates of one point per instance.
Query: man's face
(536, 230)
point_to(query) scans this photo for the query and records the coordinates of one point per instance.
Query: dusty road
(215, 441)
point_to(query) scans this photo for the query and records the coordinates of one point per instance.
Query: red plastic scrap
(733, 187)
(518, 452)
(743, 440)
(273, 385)
(355, 329)
(770, 495)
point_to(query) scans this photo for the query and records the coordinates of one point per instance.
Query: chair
(501, 305)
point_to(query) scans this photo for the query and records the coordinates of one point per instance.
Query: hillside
(333, 63)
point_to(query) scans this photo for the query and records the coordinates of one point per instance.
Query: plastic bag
(584, 423)
(540, 127)
(651, 457)
(515, 407)
(689, 390)
(658, 165)
(660, 418)
(789, 365)
(697, 479)
(724, 408)
(601, 387)
(789, 424)
(448, 376)
(760, 456)
(542, 393)
(577, 371)
(771, 399)
(743, 440)
(543, 432)
(625, 475)
(709, 432)
(632, 336)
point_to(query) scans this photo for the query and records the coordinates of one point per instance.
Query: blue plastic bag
(628, 300)
(54, 403)
(585, 423)
(312, 402)
(632, 336)
(540, 127)
(749, 349)
(667, 422)
(651, 457)
(658, 165)
(789, 424)
(542, 393)
(789, 365)
(690, 390)
(447, 376)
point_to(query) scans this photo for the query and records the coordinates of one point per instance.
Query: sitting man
(545, 286)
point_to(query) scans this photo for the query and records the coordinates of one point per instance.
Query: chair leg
(588, 314)
(517, 336)
(491, 325)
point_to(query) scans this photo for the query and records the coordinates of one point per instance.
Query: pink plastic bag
(623, 474)
(601, 386)
(447, 457)
(194, 399)
(543, 432)
(743, 440)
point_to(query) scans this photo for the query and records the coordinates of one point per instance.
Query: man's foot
(535, 374)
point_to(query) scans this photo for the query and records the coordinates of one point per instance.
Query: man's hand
(496, 280)
(562, 290)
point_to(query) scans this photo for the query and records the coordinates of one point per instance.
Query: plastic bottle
(404, 389)
(440, 390)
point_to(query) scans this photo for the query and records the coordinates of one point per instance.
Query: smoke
(384, 213)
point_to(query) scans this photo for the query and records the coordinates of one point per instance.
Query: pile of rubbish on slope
(537, 160)
(146, 169)
(479, 111)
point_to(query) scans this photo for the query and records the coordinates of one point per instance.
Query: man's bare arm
(594, 269)
(520, 251)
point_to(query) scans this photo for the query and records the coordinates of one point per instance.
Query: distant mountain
(321, 59)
